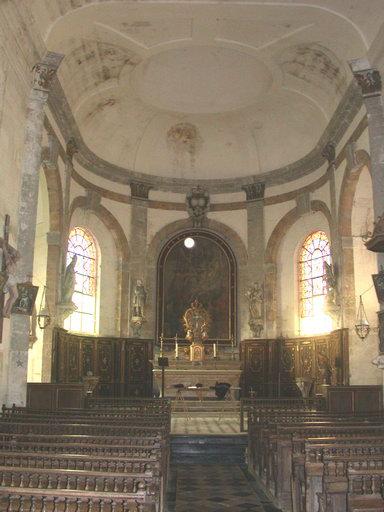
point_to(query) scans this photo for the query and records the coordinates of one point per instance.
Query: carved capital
(45, 71)
(71, 149)
(139, 190)
(254, 191)
(369, 81)
(329, 152)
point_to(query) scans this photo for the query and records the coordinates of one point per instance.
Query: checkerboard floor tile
(205, 425)
(215, 488)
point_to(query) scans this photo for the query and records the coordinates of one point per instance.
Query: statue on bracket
(255, 296)
(138, 307)
(197, 201)
(11, 257)
(332, 304)
(67, 306)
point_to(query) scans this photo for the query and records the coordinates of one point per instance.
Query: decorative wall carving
(197, 201)
(323, 359)
(121, 364)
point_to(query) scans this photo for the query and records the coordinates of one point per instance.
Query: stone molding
(346, 111)
(217, 207)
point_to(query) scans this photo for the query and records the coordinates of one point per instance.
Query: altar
(206, 373)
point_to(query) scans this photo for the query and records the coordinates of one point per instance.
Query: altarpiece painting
(206, 272)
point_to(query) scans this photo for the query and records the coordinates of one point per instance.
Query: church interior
(192, 252)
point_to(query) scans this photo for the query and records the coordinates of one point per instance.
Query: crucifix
(3, 271)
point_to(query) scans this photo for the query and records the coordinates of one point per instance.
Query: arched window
(314, 252)
(82, 244)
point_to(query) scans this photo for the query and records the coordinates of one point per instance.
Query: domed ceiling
(205, 90)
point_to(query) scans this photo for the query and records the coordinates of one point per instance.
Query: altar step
(211, 449)
(206, 407)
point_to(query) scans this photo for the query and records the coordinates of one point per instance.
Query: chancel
(192, 255)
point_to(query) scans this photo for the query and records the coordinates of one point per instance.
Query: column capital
(44, 71)
(254, 191)
(139, 190)
(368, 78)
(329, 152)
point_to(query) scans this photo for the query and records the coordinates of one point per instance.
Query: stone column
(138, 240)
(369, 81)
(53, 280)
(44, 73)
(329, 152)
(256, 247)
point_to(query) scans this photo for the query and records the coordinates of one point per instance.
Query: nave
(296, 456)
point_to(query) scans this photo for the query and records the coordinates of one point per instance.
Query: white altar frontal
(206, 374)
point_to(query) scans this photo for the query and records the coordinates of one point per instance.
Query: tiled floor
(215, 488)
(207, 425)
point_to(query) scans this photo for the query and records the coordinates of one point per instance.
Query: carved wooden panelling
(122, 365)
(266, 363)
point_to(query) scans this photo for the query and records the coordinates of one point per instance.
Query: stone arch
(271, 256)
(123, 252)
(347, 196)
(230, 237)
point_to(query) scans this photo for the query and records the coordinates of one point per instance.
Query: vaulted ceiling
(205, 89)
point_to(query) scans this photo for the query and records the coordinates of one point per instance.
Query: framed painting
(206, 271)
(26, 299)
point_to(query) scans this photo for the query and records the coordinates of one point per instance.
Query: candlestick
(214, 350)
(161, 344)
(176, 348)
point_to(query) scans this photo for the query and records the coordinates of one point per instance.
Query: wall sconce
(362, 327)
(43, 316)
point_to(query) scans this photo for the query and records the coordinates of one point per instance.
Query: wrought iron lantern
(362, 326)
(43, 316)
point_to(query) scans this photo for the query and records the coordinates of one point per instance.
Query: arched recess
(230, 237)
(271, 260)
(123, 255)
(347, 195)
(54, 241)
(214, 285)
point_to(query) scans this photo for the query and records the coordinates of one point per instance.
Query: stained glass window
(82, 244)
(314, 252)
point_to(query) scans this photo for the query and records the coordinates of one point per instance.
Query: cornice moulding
(346, 111)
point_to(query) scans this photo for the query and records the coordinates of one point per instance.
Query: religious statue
(11, 257)
(255, 296)
(67, 306)
(332, 299)
(69, 281)
(197, 201)
(196, 322)
(138, 306)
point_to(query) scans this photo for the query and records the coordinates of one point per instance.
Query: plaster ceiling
(205, 89)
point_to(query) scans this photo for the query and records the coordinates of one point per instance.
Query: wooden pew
(86, 441)
(365, 490)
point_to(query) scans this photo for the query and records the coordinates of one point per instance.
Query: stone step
(211, 449)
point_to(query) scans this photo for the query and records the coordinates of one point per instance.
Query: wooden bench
(365, 490)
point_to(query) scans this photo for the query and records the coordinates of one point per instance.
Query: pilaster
(256, 248)
(138, 240)
(43, 74)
